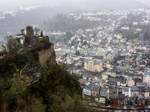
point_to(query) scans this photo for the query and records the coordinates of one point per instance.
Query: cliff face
(47, 56)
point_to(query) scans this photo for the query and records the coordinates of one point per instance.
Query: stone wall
(47, 55)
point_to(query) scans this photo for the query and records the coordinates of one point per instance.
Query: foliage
(13, 44)
(26, 86)
(54, 91)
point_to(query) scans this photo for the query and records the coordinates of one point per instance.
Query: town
(112, 59)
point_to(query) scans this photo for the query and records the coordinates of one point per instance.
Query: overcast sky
(14, 4)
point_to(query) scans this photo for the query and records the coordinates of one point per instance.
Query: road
(99, 108)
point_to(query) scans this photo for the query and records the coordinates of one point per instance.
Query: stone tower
(29, 31)
(29, 35)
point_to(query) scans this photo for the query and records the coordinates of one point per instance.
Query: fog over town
(15, 4)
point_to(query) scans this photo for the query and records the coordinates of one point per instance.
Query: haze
(15, 4)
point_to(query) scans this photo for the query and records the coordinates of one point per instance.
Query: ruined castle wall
(47, 55)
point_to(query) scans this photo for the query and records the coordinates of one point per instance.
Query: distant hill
(111, 4)
(12, 22)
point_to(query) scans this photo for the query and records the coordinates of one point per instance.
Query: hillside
(27, 85)
(113, 4)
(13, 21)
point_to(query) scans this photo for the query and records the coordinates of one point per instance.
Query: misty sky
(15, 4)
